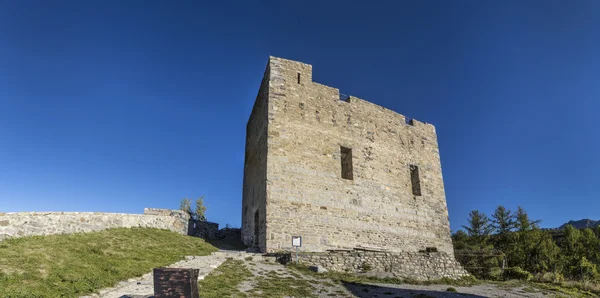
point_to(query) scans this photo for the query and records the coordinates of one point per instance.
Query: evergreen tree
(523, 223)
(591, 245)
(503, 220)
(571, 252)
(539, 251)
(479, 228)
(460, 240)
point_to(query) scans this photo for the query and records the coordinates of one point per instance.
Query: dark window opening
(346, 163)
(415, 181)
(344, 97)
(298, 78)
(409, 121)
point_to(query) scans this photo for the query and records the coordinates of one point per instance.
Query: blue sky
(119, 105)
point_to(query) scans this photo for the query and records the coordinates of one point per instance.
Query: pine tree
(523, 223)
(503, 220)
(571, 251)
(460, 240)
(479, 228)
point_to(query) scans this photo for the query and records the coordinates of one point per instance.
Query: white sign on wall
(296, 241)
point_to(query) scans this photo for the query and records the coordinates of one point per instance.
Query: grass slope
(78, 264)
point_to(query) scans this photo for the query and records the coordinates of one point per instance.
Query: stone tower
(339, 171)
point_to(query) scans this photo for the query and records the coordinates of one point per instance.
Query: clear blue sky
(119, 105)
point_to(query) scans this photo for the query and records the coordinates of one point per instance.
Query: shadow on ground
(228, 244)
(368, 291)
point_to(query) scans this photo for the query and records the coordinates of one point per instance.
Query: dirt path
(143, 287)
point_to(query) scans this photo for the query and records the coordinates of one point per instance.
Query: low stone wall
(205, 229)
(21, 224)
(413, 265)
(166, 212)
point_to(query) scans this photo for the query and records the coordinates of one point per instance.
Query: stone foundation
(410, 265)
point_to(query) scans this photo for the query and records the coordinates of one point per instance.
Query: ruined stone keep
(339, 171)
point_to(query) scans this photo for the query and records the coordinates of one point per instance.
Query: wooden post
(176, 282)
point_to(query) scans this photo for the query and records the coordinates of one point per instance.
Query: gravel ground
(261, 267)
(483, 290)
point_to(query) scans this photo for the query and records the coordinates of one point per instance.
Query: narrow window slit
(299, 78)
(415, 181)
(346, 160)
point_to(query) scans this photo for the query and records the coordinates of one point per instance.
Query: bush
(589, 269)
(496, 273)
(517, 273)
(451, 289)
(550, 277)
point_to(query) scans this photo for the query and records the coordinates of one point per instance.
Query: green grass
(79, 264)
(224, 281)
(274, 286)
(564, 288)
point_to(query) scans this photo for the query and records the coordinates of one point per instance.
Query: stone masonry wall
(21, 224)
(205, 229)
(255, 172)
(411, 265)
(299, 160)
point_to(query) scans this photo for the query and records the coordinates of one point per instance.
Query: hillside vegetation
(514, 242)
(79, 264)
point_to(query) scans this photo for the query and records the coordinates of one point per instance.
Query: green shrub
(451, 289)
(589, 269)
(496, 274)
(517, 273)
(550, 277)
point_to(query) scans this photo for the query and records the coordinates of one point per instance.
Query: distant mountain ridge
(581, 224)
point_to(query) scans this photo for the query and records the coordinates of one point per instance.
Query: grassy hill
(79, 264)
